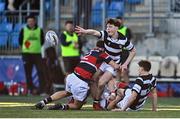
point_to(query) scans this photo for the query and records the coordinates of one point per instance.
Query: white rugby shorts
(77, 87)
(106, 67)
(123, 102)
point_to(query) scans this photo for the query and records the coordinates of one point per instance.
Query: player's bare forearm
(93, 32)
(113, 103)
(154, 99)
(80, 31)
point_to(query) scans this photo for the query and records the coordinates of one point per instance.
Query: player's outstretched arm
(113, 103)
(80, 31)
(154, 99)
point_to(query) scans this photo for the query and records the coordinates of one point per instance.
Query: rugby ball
(52, 38)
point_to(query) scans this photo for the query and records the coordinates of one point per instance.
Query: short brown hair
(30, 17)
(113, 21)
(69, 22)
(146, 65)
(100, 44)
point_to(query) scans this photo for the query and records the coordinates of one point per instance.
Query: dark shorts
(124, 56)
(70, 63)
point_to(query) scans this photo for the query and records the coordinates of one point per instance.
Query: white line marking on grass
(16, 104)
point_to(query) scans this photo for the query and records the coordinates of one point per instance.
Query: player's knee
(77, 106)
(101, 84)
(120, 92)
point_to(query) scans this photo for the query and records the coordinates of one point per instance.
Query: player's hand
(117, 110)
(112, 96)
(79, 30)
(123, 67)
(117, 67)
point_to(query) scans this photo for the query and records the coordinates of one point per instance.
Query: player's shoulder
(153, 78)
(139, 78)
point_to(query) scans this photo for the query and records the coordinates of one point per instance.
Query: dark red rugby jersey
(90, 63)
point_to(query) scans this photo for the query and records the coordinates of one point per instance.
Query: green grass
(22, 106)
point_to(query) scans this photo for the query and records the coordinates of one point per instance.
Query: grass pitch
(22, 107)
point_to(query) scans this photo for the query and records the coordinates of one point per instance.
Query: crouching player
(135, 98)
(77, 83)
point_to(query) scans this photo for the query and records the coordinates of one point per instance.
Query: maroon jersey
(90, 63)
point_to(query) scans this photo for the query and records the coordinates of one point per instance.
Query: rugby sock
(96, 101)
(65, 107)
(47, 100)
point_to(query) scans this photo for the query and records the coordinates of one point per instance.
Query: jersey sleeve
(137, 86)
(105, 57)
(103, 35)
(128, 45)
(154, 82)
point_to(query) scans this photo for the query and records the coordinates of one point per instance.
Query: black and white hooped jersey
(114, 46)
(143, 85)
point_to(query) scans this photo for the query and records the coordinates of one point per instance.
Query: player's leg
(94, 85)
(56, 96)
(104, 79)
(112, 87)
(76, 105)
(79, 90)
(113, 103)
(108, 73)
(126, 93)
(102, 82)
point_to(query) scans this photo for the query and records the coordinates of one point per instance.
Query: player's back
(90, 63)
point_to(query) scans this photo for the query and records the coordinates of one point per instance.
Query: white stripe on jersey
(118, 61)
(147, 82)
(117, 41)
(137, 87)
(153, 80)
(139, 106)
(111, 49)
(120, 44)
(114, 57)
(130, 46)
(144, 92)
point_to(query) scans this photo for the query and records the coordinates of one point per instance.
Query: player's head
(69, 26)
(112, 26)
(144, 66)
(100, 45)
(120, 19)
(31, 21)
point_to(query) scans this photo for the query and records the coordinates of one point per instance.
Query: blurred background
(154, 25)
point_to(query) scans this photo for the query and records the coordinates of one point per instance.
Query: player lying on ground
(77, 83)
(114, 42)
(134, 98)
